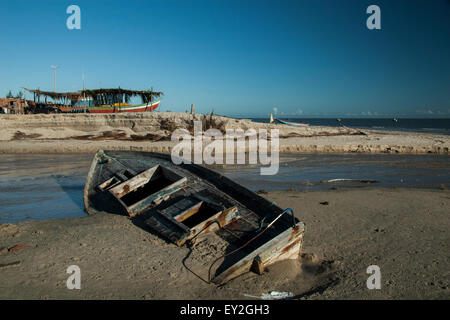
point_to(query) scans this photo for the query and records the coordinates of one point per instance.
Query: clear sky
(240, 57)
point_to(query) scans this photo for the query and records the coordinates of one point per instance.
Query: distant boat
(291, 123)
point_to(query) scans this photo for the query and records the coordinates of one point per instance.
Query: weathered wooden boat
(184, 203)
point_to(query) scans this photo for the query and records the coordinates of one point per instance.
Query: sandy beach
(225, 150)
(73, 133)
(403, 231)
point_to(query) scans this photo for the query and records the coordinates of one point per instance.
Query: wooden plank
(165, 228)
(145, 203)
(108, 184)
(188, 212)
(287, 245)
(133, 183)
(173, 221)
(223, 218)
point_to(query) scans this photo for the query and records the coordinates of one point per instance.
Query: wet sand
(47, 186)
(403, 231)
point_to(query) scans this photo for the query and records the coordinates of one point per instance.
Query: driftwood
(9, 265)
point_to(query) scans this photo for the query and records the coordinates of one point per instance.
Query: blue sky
(240, 57)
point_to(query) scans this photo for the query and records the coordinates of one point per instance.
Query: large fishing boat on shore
(96, 101)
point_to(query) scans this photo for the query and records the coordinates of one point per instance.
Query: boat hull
(117, 109)
(237, 221)
(146, 107)
(299, 124)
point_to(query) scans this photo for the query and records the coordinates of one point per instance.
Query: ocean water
(42, 186)
(309, 172)
(441, 126)
(49, 186)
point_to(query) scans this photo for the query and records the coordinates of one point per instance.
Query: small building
(12, 105)
(16, 106)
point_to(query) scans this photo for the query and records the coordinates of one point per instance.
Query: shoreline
(402, 231)
(81, 133)
(286, 147)
(54, 183)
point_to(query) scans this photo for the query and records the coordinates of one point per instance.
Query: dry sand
(152, 131)
(403, 231)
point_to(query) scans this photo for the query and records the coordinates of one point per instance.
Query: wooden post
(24, 101)
(192, 109)
(84, 95)
(151, 95)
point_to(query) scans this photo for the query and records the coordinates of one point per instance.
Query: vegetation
(19, 95)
